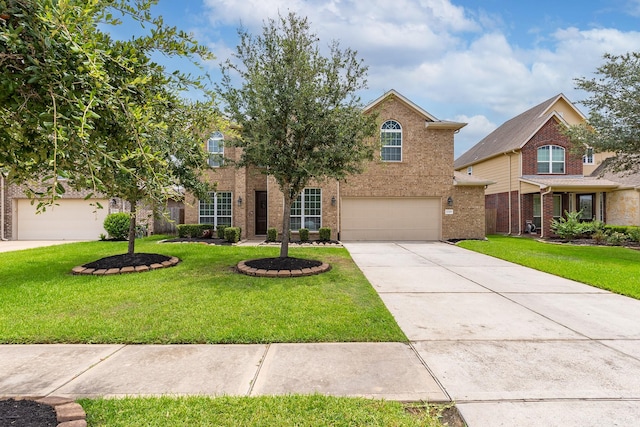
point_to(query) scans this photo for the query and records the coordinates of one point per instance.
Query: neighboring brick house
(410, 192)
(539, 175)
(72, 217)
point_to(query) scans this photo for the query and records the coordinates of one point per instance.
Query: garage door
(390, 219)
(72, 219)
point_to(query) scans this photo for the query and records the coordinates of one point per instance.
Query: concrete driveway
(18, 245)
(510, 345)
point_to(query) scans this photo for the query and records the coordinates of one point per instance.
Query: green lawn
(282, 411)
(613, 268)
(201, 300)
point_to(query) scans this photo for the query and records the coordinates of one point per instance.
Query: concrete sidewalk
(377, 370)
(511, 346)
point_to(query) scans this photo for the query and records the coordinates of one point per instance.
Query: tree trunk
(286, 225)
(132, 228)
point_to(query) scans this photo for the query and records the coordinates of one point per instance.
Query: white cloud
(452, 61)
(477, 128)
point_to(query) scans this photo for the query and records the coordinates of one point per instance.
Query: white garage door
(72, 219)
(390, 219)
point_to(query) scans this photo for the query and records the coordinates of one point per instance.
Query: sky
(477, 62)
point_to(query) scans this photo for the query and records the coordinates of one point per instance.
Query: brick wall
(467, 221)
(549, 134)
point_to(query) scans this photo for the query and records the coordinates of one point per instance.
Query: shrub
(616, 229)
(599, 237)
(304, 234)
(588, 229)
(232, 234)
(194, 230)
(220, 231)
(325, 234)
(117, 225)
(634, 234)
(272, 234)
(568, 228)
(617, 238)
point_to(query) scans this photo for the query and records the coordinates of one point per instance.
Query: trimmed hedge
(232, 234)
(117, 225)
(325, 234)
(194, 230)
(220, 231)
(304, 234)
(272, 234)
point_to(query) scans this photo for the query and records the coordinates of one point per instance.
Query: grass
(613, 268)
(283, 411)
(201, 300)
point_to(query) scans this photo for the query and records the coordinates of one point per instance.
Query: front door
(261, 212)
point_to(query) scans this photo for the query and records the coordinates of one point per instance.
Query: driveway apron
(510, 345)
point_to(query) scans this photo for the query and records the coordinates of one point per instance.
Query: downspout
(2, 202)
(542, 210)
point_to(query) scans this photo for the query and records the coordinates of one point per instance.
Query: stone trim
(129, 269)
(68, 412)
(250, 271)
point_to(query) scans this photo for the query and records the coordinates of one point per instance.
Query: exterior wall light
(240, 201)
(450, 201)
(333, 200)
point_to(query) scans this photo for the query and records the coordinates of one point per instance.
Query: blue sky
(479, 62)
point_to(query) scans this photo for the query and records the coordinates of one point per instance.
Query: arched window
(391, 141)
(215, 147)
(551, 159)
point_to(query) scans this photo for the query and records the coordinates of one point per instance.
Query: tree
(298, 112)
(614, 103)
(74, 103)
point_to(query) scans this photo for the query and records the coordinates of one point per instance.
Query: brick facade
(549, 134)
(426, 170)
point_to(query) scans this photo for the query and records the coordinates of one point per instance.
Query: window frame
(550, 162)
(389, 134)
(216, 157)
(218, 208)
(310, 199)
(588, 159)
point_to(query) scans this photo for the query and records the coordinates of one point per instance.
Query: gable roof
(430, 120)
(514, 133)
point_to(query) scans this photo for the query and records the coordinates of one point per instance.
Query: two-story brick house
(410, 192)
(538, 175)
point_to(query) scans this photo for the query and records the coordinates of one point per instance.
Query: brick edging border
(130, 269)
(69, 413)
(250, 271)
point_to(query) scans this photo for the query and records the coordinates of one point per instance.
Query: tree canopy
(99, 112)
(614, 119)
(298, 111)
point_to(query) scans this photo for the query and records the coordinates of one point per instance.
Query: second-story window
(391, 141)
(215, 147)
(587, 159)
(551, 159)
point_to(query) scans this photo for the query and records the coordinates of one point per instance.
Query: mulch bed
(209, 241)
(26, 413)
(288, 263)
(125, 260)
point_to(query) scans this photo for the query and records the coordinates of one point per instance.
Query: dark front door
(261, 212)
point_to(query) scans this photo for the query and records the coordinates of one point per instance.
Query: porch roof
(569, 182)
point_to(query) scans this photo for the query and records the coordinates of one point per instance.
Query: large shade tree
(98, 112)
(298, 111)
(613, 123)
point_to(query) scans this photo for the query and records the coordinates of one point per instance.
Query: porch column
(546, 210)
